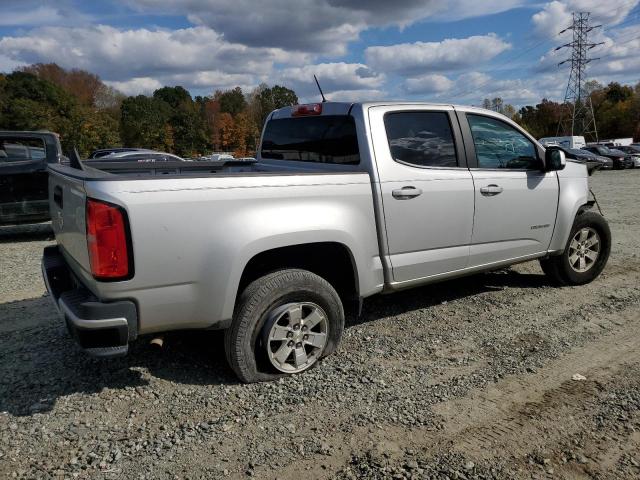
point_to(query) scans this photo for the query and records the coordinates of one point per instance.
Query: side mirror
(554, 159)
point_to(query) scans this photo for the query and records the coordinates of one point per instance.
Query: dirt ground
(471, 378)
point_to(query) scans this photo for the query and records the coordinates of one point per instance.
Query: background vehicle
(24, 157)
(634, 152)
(619, 158)
(616, 142)
(344, 201)
(593, 161)
(138, 156)
(566, 142)
(103, 152)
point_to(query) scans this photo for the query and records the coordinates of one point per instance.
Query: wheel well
(329, 260)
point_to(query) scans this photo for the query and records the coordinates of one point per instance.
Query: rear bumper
(102, 329)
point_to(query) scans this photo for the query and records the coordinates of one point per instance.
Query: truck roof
(342, 108)
(27, 132)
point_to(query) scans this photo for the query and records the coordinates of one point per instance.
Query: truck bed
(127, 170)
(194, 226)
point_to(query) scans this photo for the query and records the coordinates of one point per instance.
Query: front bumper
(102, 329)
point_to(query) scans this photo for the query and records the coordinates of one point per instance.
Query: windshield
(580, 153)
(322, 139)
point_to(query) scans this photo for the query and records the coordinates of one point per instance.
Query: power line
(583, 120)
(473, 88)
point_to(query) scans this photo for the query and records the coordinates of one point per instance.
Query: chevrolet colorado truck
(344, 201)
(24, 158)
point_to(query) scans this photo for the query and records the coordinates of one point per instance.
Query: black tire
(558, 268)
(245, 349)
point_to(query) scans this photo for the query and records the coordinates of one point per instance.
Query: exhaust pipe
(157, 342)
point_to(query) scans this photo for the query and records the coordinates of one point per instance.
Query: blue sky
(458, 51)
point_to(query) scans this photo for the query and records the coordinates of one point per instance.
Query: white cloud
(556, 15)
(138, 60)
(362, 95)
(472, 87)
(333, 77)
(447, 55)
(317, 26)
(339, 81)
(31, 13)
(136, 86)
(428, 84)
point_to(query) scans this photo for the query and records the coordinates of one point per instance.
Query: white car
(634, 152)
(143, 156)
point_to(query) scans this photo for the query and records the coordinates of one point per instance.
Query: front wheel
(585, 255)
(284, 323)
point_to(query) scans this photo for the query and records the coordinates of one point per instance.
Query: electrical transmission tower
(583, 121)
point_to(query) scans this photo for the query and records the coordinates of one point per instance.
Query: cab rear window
(321, 139)
(16, 149)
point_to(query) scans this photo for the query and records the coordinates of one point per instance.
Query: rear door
(427, 190)
(515, 200)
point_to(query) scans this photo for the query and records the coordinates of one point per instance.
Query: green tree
(174, 96)
(263, 100)
(187, 121)
(231, 101)
(143, 123)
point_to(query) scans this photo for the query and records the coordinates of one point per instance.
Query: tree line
(88, 114)
(616, 110)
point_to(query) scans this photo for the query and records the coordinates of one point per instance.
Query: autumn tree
(84, 86)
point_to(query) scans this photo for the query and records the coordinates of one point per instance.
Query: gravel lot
(467, 379)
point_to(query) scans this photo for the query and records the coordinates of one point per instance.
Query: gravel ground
(466, 379)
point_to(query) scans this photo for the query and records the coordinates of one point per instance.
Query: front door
(426, 188)
(515, 200)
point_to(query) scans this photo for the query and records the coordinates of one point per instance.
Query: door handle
(490, 190)
(406, 193)
(57, 195)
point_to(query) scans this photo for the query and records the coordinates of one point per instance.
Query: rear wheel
(585, 255)
(284, 323)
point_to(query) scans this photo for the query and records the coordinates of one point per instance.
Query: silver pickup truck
(344, 201)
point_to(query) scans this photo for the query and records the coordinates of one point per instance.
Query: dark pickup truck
(24, 158)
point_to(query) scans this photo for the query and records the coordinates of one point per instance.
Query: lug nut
(290, 344)
(299, 345)
(305, 328)
(289, 334)
(305, 337)
(296, 326)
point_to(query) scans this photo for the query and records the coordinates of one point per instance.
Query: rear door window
(422, 139)
(16, 149)
(321, 139)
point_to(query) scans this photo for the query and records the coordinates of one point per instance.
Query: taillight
(306, 109)
(107, 241)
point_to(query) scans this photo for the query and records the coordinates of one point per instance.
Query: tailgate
(67, 203)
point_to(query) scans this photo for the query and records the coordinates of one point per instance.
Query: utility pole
(583, 121)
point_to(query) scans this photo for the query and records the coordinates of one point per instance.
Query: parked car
(619, 158)
(103, 152)
(565, 142)
(140, 156)
(345, 201)
(634, 152)
(594, 162)
(24, 157)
